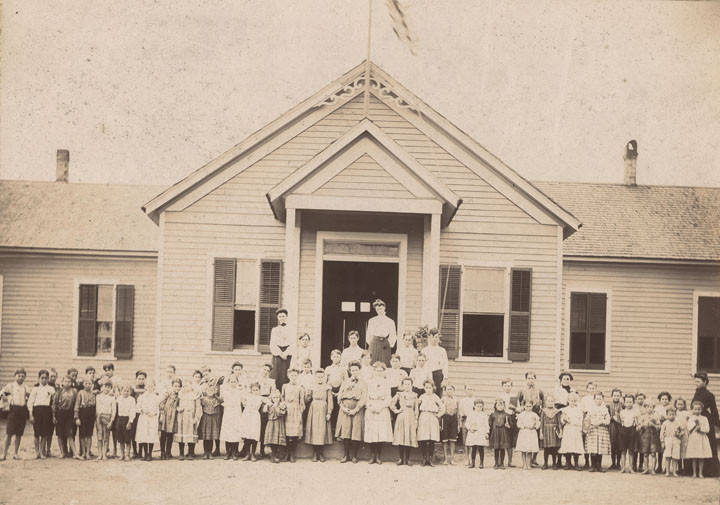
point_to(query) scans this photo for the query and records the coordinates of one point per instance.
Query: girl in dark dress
(500, 436)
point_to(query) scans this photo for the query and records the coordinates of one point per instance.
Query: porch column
(431, 270)
(292, 267)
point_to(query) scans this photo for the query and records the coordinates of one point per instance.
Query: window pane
(484, 290)
(578, 312)
(105, 318)
(705, 353)
(597, 350)
(482, 335)
(246, 283)
(578, 342)
(244, 328)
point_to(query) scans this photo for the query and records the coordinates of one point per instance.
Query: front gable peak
(365, 165)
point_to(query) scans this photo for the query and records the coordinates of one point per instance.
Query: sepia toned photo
(359, 251)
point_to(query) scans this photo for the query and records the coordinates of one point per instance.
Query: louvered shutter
(223, 304)
(87, 320)
(124, 316)
(449, 305)
(520, 296)
(270, 289)
(596, 329)
(708, 334)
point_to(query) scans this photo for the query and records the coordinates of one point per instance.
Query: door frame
(400, 239)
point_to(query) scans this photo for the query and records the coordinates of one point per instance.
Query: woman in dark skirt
(381, 335)
(710, 410)
(282, 348)
(40, 409)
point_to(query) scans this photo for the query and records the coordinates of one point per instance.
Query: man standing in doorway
(282, 347)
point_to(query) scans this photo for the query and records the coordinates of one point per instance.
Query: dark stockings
(499, 457)
(477, 449)
(207, 447)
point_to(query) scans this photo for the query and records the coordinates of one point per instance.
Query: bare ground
(200, 482)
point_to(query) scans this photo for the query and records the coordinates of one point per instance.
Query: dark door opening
(349, 288)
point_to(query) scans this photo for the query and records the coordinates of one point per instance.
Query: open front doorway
(349, 288)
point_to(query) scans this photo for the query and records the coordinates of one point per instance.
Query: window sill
(588, 370)
(95, 358)
(235, 352)
(479, 359)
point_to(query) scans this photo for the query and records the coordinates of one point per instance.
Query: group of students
(408, 405)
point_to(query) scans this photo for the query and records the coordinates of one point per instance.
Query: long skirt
(380, 350)
(527, 440)
(350, 427)
(378, 427)
(597, 440)
(279, 370)
(16, 420)
(275, 432)
(317, 427)
(43, 425)
(405, 429)
(87, 421)
(500, 437)
(294, 420)
(428, 427)
(147, 430)
(64, 423)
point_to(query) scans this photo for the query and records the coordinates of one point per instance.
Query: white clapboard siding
(650, 311)
(39, 311)
(235, 218)
(367, 176)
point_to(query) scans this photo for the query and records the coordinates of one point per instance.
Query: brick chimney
(62, 172)
(630, 158)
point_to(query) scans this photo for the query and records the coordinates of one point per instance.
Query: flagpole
(366, 97)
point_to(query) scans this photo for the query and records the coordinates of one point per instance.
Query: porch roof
(418, 191)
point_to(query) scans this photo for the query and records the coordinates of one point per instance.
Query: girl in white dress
(146, 434)
(571, 445)
(528, 423)
(698, 445)
(232, 393)
(303, 351)
(378, 428)
(478, 430)
(250, 420)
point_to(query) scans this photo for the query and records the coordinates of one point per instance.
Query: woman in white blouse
(381, 334)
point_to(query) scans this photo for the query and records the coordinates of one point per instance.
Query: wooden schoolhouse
(362, 191)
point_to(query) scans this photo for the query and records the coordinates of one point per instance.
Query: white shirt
(420, 375)
(40, 396)
(588, 402)
(408, 355)
(18, 393)
(126, 407)
(381, 326)
(350, 354)
(436, 359)
(300, 355)
(280, 336)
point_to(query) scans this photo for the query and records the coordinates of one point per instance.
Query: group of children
(408, 405)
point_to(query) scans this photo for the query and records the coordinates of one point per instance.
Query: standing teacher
(381, 334)
(710, 411)
(282, 347)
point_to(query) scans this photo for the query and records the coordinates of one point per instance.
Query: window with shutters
(105, 320)
(246, 295)
(484, 303)
(708, 334)
(588, 335)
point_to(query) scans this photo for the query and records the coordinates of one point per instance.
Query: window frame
(76, 315)
(697, 294)
(253, 350)
(571, 288)
(507, 285)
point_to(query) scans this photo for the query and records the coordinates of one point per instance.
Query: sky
(145, 92)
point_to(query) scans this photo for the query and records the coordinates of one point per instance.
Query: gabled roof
(641, 222)
(385, 88)
(74, 216)
(366, 137)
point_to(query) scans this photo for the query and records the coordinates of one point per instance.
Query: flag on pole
(398, 15)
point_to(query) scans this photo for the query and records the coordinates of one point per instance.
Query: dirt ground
(200, 482)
